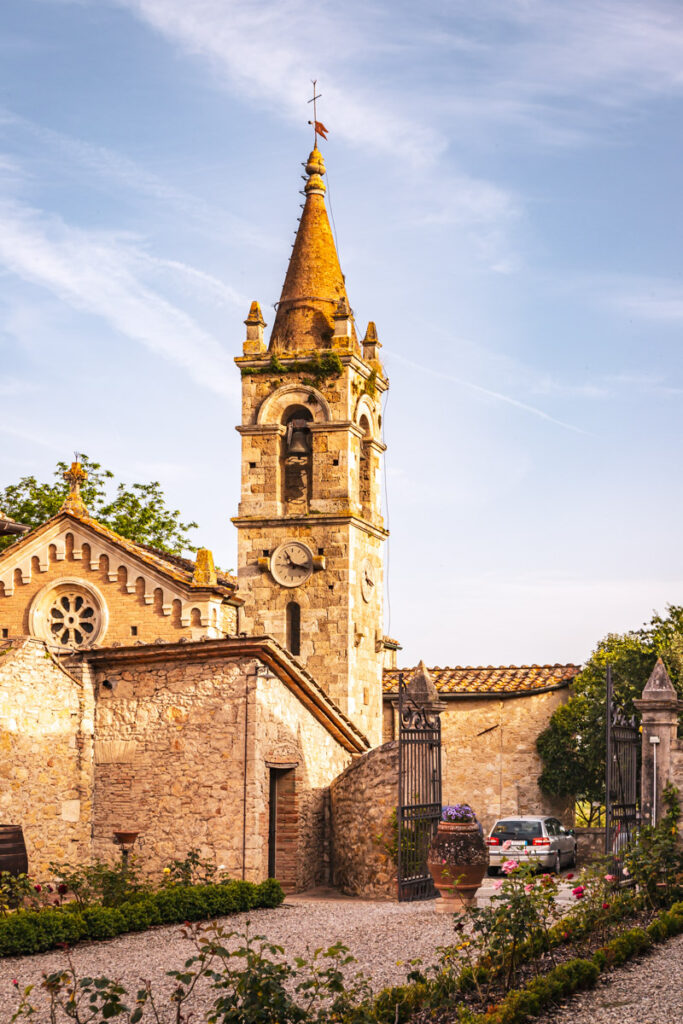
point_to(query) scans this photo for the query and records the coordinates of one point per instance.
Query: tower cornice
(296, 364)
(310, 520)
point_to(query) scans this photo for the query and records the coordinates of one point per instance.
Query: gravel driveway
(382, 936)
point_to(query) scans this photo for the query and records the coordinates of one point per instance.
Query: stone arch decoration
(283, 755)
(274, 406)
(365, 407)
(88, 549)
(69, 612)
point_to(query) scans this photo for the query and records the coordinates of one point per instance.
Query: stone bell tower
(310, 528)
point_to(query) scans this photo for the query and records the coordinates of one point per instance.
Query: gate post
(659, 708)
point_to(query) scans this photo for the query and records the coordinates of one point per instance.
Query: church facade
(147, 693)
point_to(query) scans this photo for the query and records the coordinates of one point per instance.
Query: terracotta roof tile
(489, 680)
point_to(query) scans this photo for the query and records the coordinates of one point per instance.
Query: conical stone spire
(314, 283)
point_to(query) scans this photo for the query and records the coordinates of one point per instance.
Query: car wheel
(557, 866)
(572, 859)
(492, 872)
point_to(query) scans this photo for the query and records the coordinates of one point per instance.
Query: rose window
(73, 619)
(70, 613)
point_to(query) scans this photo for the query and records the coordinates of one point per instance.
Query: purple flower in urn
(458, 812)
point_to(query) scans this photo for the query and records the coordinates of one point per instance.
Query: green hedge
(578, 974)
(397, 1005)
(35, 931)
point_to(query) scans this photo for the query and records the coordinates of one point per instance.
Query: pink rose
(528, 889)
(506, 845)
(509, 866)
(625, 872)
(610, 878)
(498, 883)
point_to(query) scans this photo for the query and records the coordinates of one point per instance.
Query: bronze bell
(297, 438)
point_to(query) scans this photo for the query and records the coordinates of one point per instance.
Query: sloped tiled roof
(173, 566)
(490, 680)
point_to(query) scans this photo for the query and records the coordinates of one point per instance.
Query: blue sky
(505, 184)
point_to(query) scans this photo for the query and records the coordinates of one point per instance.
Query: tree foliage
(138, 512)
(572, 748)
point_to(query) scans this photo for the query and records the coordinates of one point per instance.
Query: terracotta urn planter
(457, 860)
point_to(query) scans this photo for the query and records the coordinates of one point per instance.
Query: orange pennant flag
(320, 129)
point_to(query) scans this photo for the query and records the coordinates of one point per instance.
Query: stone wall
(363, 802)
(172, 763)
(591, 844)
(489, 757)
(46, 727)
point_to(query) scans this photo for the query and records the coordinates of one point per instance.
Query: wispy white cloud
(95, 272)
(106, 167)
(269, 51)
(497, 396)
(562, 65)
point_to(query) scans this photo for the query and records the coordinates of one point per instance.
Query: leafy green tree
(572, 748)
(138, 512)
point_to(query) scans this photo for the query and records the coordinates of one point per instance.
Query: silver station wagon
(531, 839)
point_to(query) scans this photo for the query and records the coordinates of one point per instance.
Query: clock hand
(298, 561)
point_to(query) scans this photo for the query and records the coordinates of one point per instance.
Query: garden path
(646, 991)
(383, 936)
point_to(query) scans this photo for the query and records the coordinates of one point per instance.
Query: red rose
(578, 892)
(570, 875)
(605, 906)
(61, 888)
(38, 888)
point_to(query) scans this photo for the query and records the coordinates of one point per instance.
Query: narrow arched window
(293, 628)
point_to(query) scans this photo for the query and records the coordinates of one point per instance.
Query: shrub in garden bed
(35, 931)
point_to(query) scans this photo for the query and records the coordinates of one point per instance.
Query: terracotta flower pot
(458, 859)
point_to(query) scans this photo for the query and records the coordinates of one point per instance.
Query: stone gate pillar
(659, 708)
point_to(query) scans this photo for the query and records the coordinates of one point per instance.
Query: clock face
(367, 579)
(291, 564)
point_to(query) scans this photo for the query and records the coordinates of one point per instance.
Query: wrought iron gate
(622, 782)
(419, 793)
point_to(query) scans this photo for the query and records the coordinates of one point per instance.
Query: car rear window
(517, 829)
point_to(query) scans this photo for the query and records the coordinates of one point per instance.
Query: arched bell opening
(296, 460)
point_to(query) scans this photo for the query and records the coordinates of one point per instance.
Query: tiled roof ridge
(489, 680)
(490, 668)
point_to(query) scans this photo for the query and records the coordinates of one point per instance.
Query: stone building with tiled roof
(490, 720)
(146, 692)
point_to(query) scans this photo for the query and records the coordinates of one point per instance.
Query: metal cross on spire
(319, 128)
